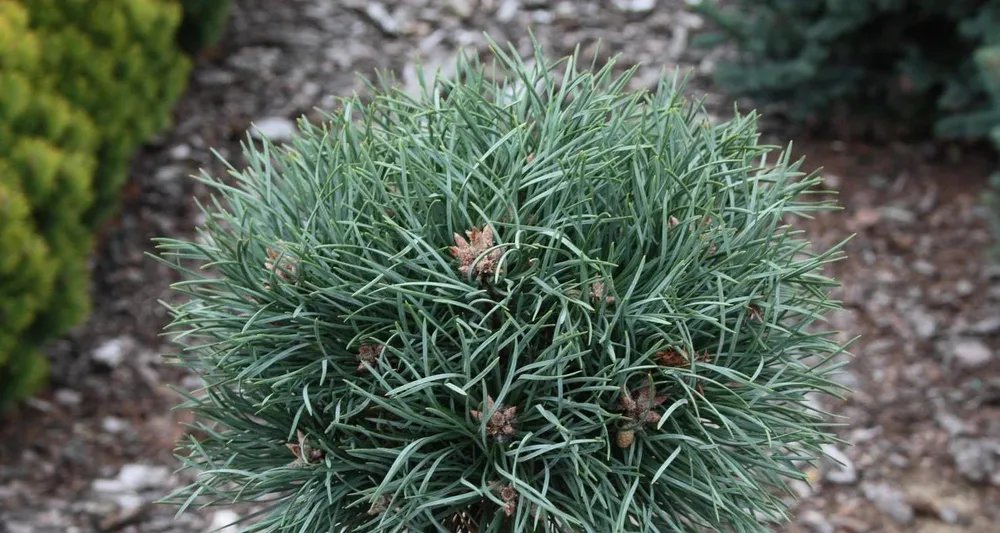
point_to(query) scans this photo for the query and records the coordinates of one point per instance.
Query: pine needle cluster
(526, 300)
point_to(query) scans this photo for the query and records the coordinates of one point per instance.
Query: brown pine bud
(625, 437)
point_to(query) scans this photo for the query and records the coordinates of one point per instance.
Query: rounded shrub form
(539, 304)
(119, 61)
(47, 159)
(82, 84)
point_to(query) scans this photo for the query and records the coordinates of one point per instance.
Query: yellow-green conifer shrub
(83, 82)
(117, 60)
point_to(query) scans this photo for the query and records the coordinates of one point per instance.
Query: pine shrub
(203, 24)
(82, 82)
(905, 62)
(551, 305)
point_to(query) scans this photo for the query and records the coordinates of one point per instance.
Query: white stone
(181, 151)
(815, 521)
(113, 352)
(222, 522)
(129, 501)
(634, 6)
(924, 267)
(275, 129)
(964, 287)
(838, 467)
(381, 16)
(923, 322)
(108, 486)
(140, 477)
(462, 8)
(68, 397)
(889, 500)
(111, 424)
(986, 326)
(971, 353)
(508, 10)
(133, 478)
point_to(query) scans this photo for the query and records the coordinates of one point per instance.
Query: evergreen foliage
(82, 83)
(909, 61)
(203, 24)
(551, 305)
(988, 60)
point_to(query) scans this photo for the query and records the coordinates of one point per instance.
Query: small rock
(949, 515)
(275, 129)
(634, 6)
(899, 460)
(462, 8)
(129, 501)
(215, 77)
(971, 353)
(168, 175)
(381, 17)
(222, 522)
(898, 214)
(850, 524)
(192, 382)
(140, 477)
(507, 10)
(865, 217)
(889, 500)
(952, 424)
(847, 378)
(865, 434)
(801, 489)
(133, 478)
(838, 467)
(964, 287)
(113, 352)
(179, 152)
(986, 326)
(68, 397)
(815, 521)
(108, 486)
(923, 323)
(924, 267)
(542, 17)
(111, 424)
(975, 459)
